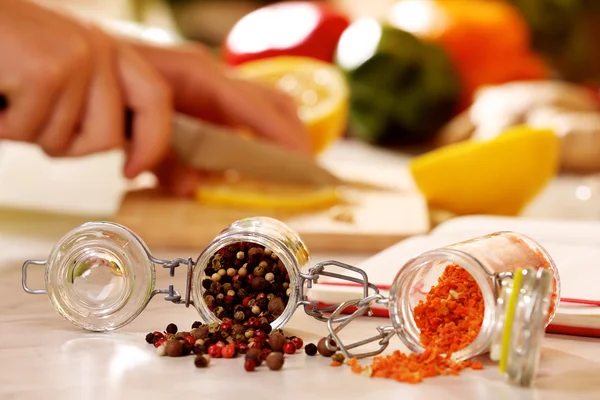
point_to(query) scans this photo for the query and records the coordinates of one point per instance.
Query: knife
(209, 147)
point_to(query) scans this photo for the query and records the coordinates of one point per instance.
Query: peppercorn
(199, 349)
(265, 327)
(254, 253)
(249, 365)
(243, 348)
(150, 338)
(161, 351)
(256, 355)
(196, 324)
(202, 361)
(171, 328)
(277, 341)
(259, 283)
(229, 351)
(159, 342)
(297, 342)
(174, 348)
(214, 351)
(253, 322)
(187, 348)
(226, 325)
(289, 348)
(310, 349)
(276, 306)
(322, 348)
(338, 357)
(200, 332)
(275, 361)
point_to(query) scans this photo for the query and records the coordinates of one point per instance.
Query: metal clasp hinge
(173, 295)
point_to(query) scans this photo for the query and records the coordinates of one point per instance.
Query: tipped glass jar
(494, 293)
(100, 276)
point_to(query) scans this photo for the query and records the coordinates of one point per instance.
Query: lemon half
(319, 89)
(500, 176)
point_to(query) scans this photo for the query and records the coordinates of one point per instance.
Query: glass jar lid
(523, 309)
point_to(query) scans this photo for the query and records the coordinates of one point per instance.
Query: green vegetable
(403, 91)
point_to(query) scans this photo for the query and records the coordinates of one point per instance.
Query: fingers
(30, 103)
(267, 113)
(176, 178)
(201, 89)
(149, 98)
(102, 122)
(56, 136)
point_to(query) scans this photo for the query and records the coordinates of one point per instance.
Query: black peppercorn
(310, 349)
(171, 328)
(265, 327)
(187, 348)
(150, 338)
(196, 324)
(199, 349)
(206, 283)
(262, 303)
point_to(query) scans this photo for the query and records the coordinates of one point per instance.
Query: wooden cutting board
(380, 219)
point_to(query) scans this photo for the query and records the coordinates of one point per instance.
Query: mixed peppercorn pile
(257, 342)
(245, 280)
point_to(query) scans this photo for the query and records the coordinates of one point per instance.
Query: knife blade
(212, 148)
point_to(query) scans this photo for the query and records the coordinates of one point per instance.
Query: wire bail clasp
(312, 277)
(363, 306)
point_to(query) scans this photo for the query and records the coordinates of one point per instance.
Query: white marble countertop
(45, 357)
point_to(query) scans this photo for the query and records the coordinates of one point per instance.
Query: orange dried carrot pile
(451, 315)
(449, 319)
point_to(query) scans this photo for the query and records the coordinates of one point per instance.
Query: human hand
(203, 88)
(68, 84)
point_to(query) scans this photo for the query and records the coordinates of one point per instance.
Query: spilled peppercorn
(257, 341)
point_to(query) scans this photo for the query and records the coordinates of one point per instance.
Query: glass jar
(517, 282)
(100, 276)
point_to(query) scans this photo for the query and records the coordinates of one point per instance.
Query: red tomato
(294, 28)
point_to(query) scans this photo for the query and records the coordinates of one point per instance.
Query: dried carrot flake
(335, 364)
(449, 319)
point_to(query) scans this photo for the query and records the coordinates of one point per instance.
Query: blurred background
(491, 105)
